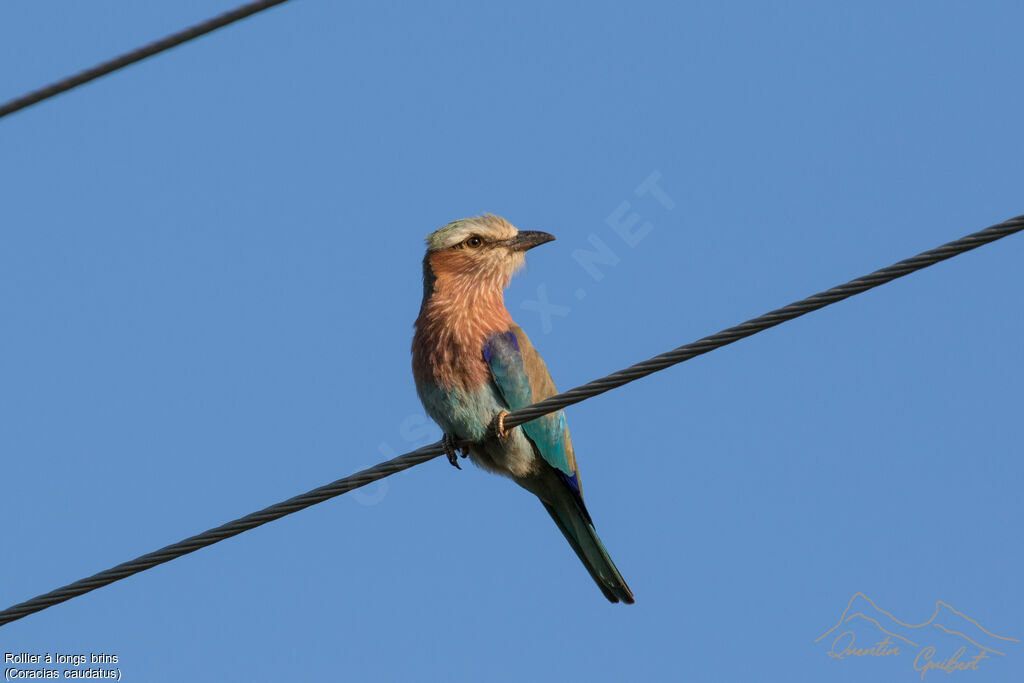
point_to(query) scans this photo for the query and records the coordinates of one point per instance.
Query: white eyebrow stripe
(491, 228)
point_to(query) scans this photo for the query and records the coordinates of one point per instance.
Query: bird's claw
(499, 426)
(451, 449)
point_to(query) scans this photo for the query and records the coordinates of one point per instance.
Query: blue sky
(211, 264)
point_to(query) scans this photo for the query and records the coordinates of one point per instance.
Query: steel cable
(421, 455)
(136, 55)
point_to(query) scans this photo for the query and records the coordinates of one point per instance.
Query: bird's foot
(499, 426)
(451, 448)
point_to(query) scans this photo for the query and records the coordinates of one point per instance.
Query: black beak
(528, 239)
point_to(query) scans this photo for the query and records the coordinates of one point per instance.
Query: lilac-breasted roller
(472, 363)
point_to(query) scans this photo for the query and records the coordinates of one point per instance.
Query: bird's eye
(474, 242)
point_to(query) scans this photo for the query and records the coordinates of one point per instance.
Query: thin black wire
(136, 55)
(421, 455)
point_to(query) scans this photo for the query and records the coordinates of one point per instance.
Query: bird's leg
(450, 446)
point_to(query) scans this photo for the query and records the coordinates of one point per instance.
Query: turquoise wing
(522, 378)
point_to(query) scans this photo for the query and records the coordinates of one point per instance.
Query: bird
(472, 364)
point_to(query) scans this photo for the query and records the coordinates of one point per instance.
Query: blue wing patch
(501, 351)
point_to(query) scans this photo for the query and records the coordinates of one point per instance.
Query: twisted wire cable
(421, 455)
(770, 319)
(136, 55)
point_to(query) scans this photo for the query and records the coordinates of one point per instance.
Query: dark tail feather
(579, 531)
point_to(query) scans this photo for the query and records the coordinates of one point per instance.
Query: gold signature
(844, 644)
(883, 648)
(951, 665)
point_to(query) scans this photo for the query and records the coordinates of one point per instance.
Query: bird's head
(477, 253)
